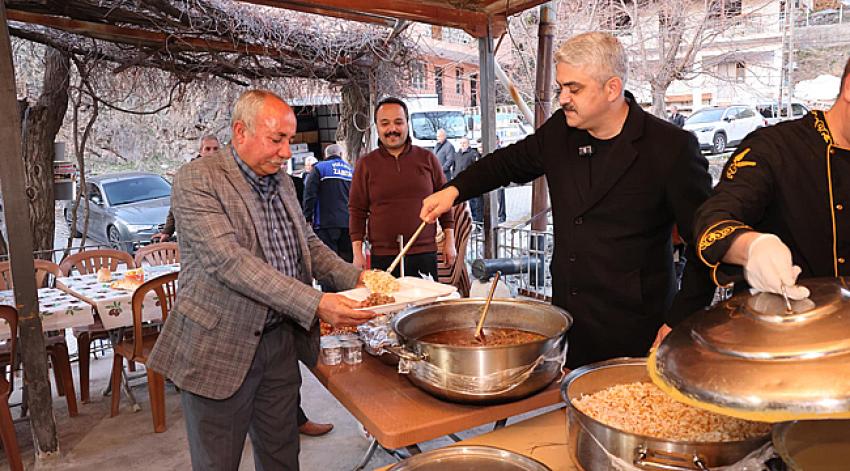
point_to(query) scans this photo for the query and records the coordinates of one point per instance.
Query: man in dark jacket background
(326, 201)
(619, 179)
(445, 152)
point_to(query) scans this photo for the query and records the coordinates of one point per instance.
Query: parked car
(773, 113)
(718, 127)
(125, 209)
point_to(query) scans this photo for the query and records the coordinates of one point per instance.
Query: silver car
(125, 209)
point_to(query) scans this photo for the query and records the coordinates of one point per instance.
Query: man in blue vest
(326, 201)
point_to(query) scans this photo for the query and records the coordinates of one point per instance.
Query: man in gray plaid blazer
(245, 311)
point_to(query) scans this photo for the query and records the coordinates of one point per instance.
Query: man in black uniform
(779, 211)
(619, 179)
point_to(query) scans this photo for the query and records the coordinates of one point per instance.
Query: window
(740, 72)
(417, 76)
(473, 90)
(719, 9)
(459, 80)
(438, 84)
(798, 109)
(614, 16)
(424, 124)
(437, 32)
(745, 113)
(133, 190)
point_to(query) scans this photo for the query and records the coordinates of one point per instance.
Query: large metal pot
(481, 374)
(589, 439)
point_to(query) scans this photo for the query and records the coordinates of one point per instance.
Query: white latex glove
(769, 267)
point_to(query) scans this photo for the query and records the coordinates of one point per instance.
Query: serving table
(399, 415)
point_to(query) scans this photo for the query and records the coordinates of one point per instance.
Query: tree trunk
(41, 122)
(659, 107)
(354, 118)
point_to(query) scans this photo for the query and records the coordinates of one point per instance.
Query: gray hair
(207, 137)
(600, 52)
(333, 149)
(310, 161)
(249, 104)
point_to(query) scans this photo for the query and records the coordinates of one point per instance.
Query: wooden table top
(543, 438)
(399, 414)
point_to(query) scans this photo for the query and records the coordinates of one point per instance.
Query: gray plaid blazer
(226, 287)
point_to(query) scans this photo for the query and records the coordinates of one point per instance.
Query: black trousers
(414, 265)
(263, 407)
(338, 240)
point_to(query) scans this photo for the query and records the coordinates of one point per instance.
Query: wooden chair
(56, 349)
(163, 253)
(43, 269)
(138, 348)
(457, 274)
(85, 263)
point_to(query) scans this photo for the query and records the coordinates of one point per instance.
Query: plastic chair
(85, 263)
(138, 348)
(56, 349)
(43, 269)
(163, 253)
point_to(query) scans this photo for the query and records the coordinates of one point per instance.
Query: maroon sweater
(387, 192)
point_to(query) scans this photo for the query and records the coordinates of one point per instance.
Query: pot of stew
(522, 352)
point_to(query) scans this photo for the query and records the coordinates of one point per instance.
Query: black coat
(612, 267)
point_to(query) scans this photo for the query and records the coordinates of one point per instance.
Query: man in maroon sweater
(387, 190)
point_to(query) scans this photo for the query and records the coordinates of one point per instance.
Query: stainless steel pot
(481, 374)
(589, 439)
(464, 458)
(821, 445)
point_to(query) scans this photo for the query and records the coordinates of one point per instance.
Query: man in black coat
(619, 178)
(676, 118)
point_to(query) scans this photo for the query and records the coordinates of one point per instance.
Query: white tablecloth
(114, 305)
(58, 310)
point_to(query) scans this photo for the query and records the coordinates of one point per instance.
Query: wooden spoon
(479, 334)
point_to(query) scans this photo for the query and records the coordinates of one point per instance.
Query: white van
(425, 121)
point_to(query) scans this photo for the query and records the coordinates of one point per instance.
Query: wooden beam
(510, 7)
(17, 215)
(431, 12)
(140, 37)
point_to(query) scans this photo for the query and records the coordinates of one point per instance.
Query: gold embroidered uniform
(789, 180)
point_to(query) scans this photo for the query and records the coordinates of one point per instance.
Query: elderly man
(326, 201)
(619, 179)
(388, 187)
(209, 146)
(779, 209)
(675, 117)
(246, 311)
(445, 152)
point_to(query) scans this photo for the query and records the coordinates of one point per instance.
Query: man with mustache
(386, 193)
(619, 179)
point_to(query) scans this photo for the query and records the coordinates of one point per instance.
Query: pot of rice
(618, 419)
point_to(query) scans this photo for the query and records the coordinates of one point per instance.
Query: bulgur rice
(643, 409)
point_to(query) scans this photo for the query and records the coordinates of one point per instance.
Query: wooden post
(543, 106)
(486, 63)
(20, 248)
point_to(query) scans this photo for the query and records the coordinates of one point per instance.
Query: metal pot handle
(405, 354)
(668, 461)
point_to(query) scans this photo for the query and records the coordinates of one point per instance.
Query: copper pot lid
(752, 357)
